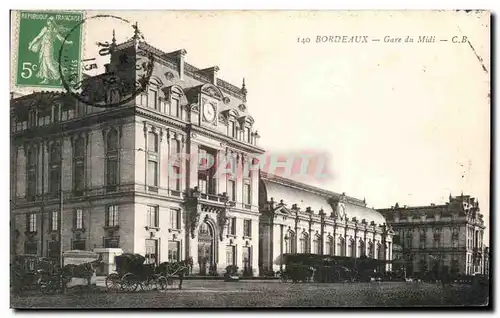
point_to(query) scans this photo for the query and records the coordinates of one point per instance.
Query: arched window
(55, 168)
(352, 248)
(290, 242)
(341, 247)
(329, 246)
(317, 245)
(31, 182)
(371, 250)
(361, 249)
(79, 165)
(303, 243)
(380, 251)
(112, 160)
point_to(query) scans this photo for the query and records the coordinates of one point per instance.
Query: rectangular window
(152, 98)
(174, 147)
(54, 181)
(112, 171)
(54, 221)
(248, 135)
(173, 251)
(144, 99)
(152, 173)
(230, 255)
(112, 242)
(79, 181)
(247, 194)
(175, 219)
(202, 182)
(78, 245)
(31, 184)
(174, 107)
(232, 129)
(112, 216)
(152, 216)
(79, 219)
(177, 178)
(152, 142)
(231, 190)
(151, 251)
(232, 226)
(247, 228)
(31, 222)
(329, 248)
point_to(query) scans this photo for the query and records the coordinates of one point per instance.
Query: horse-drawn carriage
(313, 268)
(32, 272)
(131, 273)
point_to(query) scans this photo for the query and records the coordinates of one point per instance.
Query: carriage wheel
(113, 282)
(283, 278)
(170, 280)
(149, 284)
(43, 284)
(162, 283)
(129, 282)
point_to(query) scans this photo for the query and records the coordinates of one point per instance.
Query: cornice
(227, 140)
(302, 186)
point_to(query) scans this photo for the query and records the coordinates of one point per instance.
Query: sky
(401, 122)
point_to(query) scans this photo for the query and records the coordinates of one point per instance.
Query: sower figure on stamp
(43, 45)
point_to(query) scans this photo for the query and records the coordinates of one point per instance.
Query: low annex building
(298, 218)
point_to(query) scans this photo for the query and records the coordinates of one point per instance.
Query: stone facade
(120, 187)
(445, 237)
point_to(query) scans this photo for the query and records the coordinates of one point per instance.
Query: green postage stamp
(40, 37)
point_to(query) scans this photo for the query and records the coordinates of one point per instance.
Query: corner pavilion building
(86, 177)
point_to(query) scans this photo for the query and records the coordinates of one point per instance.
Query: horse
(85, 270)
(181, 269)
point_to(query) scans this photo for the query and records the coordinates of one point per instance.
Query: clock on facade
(209, 112)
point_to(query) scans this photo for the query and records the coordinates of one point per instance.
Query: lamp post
(222, 217)
(193, 215)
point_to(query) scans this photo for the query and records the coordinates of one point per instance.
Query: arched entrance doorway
(206, 247)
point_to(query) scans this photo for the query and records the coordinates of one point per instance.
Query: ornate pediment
(156, 81)
(246, 120)
(172, 91)
(212, 91)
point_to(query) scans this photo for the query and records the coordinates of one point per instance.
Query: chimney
(211, 72)
(178, 56)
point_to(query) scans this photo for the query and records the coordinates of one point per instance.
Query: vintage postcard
(259, 159)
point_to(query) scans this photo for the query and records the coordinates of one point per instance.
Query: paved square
(265, 294)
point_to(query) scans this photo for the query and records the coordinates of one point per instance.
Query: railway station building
(86, 177)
